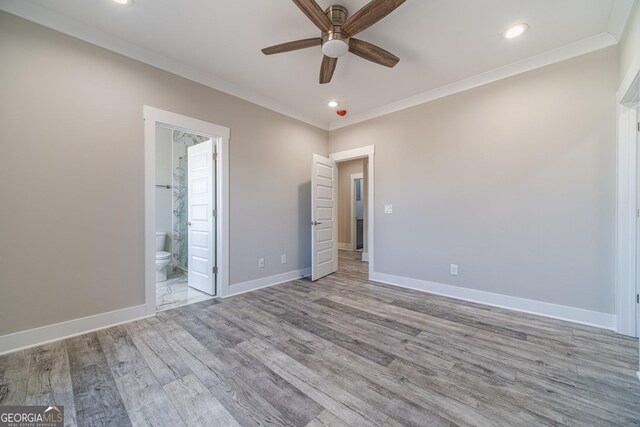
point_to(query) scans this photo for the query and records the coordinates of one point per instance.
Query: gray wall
(72, 172)
(513, 181)
(345, 169)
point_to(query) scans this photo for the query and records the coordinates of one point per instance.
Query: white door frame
(354, 223)
(153, 117)
(364, 153)
(627, 262)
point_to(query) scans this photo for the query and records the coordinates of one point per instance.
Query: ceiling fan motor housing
(335, 43)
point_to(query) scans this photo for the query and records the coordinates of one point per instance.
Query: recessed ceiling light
(333, 104)
(515, 31)
(124, 2)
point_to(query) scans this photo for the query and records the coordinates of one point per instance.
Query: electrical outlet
(388, 209)
(260, 262)
(283, 258)
(454, 269)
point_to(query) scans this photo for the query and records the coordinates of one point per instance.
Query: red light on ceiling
(342, 113)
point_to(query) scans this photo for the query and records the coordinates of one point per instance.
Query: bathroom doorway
(185, 217)
(186, 162)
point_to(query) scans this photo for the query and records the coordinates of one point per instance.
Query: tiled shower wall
(181, 140)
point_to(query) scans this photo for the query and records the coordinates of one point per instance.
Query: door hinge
(214, 270)
(214, 213)
(637, 298)
(215, 156)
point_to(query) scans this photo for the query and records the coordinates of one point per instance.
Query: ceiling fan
(338, 30)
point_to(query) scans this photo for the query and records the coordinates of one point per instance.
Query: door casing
(627, 230)
(221, 135)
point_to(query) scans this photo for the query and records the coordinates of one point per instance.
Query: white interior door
(324, 210)
(202, 227)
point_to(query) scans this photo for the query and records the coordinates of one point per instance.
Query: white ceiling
(439, 42)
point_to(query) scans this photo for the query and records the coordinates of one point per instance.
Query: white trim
(354, 154)
(582, 47)
(638, 374)
(71, 328)
(367, 152)
(48, 18)
(626, 222)
(345, 246)
(152, 117)
(629, 95)
(352, 219)
(572, 314)
(619, 16)
(630, 83)
(265, 282)
(222, 208)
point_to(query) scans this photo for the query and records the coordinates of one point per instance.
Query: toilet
(163, 259)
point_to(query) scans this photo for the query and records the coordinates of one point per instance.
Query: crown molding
(29, 11)
(582, 47)
(619, 17)
(55, 21)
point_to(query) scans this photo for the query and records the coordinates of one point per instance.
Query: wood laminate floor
(339, 352)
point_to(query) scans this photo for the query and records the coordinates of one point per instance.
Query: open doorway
(186, 210)
(357, 211)
(325, 203)
(185, 219)
(351, 206)
(628, 207)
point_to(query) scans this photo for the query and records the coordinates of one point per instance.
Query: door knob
(315, 223)
(189, 223)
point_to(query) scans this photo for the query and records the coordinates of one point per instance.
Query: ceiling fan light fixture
(515, 31)
(335, 40)
(335, 48)
(333, 104)
(124, 2)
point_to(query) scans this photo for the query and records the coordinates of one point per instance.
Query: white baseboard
(71, 328)
(571, 314)
(345, 246)
(365, 256)
(264, 282)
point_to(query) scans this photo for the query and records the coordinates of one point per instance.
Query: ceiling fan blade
(327, 68)
(374, 11)
(315, 14)
(372, 53)
(294, 45)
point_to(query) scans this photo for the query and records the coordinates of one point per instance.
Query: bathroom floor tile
(176, 292)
